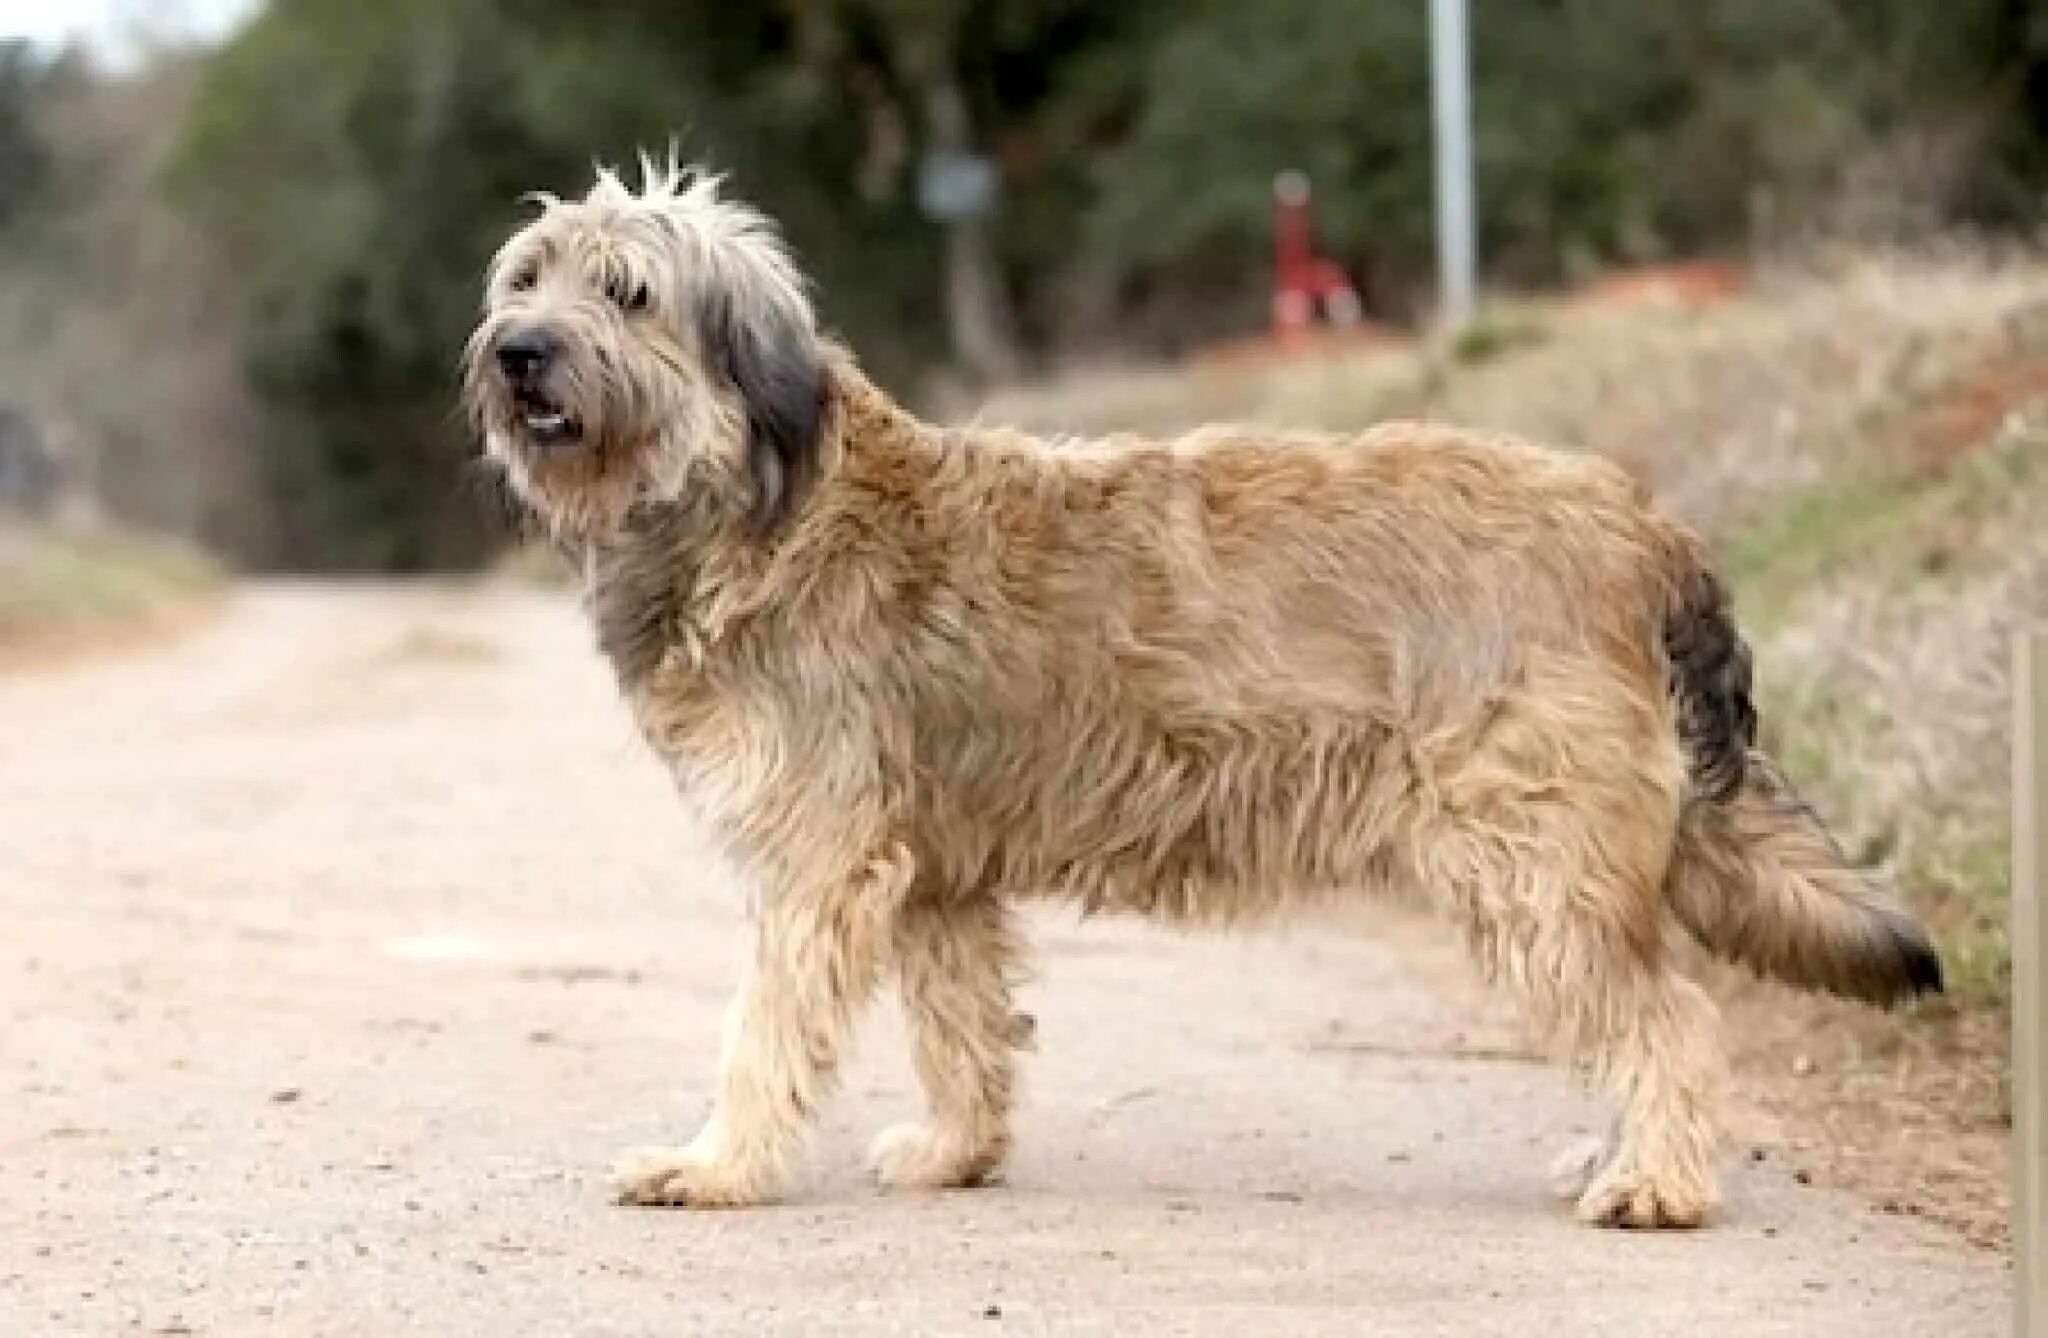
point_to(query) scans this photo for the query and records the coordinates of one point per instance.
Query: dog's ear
(777, 368)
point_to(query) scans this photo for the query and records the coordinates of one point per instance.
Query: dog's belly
(1208, 891)
(1205, 827)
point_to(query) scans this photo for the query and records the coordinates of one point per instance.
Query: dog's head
(652, 346)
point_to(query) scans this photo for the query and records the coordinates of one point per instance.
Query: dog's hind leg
(815, 962)
(1545, 928)
(1550, 856)
(956, 962)
(1657, 1051)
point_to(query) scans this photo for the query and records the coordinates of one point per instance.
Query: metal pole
(1451, 101)
(2029, 988)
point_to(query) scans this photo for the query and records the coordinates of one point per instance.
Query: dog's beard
(552, 420)
(542, 416)
(587, 494)
(552, 454)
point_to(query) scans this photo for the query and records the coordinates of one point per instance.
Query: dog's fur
(906, 676)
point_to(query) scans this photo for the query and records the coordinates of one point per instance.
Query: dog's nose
(523, 354)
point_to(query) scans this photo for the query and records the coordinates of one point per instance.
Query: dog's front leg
(814, 963)
(956, 961)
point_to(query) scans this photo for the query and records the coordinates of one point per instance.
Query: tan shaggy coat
(907, 676)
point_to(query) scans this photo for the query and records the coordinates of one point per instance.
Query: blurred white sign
(955, 186)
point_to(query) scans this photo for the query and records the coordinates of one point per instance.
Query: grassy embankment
(66, 586)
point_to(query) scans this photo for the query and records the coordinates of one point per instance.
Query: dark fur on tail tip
(1921, 963)
(1918, 968)
(1710, 671)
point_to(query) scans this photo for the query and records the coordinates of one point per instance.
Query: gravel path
(346, 939)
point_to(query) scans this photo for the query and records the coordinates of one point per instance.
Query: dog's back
(1205, 676)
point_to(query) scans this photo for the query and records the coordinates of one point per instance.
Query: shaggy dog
(907, 676)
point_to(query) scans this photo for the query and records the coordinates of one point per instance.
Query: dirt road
(346, 939)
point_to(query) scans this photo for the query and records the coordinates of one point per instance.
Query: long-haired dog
(907, 676)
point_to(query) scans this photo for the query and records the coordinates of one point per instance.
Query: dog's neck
(677, 575)
(860, 416)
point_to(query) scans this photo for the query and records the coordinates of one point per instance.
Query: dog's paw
(662, 1177)
(916, 1156)
(1637, 1198)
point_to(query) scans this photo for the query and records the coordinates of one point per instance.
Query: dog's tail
(1754, 875)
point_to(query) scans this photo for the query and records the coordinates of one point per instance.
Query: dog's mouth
(544, 421)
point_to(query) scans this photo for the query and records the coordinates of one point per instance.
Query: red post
(1300, 279)
(1293, 261)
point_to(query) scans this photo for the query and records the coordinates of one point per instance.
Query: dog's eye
(627, 296)
(525, 277)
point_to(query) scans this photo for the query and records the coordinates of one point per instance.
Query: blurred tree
(117, 327)
(358, 160)
(904, 58)
(1606, 129)
(943, 79)
(1234, 94)
(24, 156)
(1653, 130)
(1975, 72)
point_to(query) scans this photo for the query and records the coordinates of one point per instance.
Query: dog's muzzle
(526, 357)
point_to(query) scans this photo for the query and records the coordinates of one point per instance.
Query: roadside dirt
(1911, 1110)
(348, 936)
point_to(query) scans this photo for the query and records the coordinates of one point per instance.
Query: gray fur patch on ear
(774, 364)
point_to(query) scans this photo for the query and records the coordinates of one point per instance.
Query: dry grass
(61, 586)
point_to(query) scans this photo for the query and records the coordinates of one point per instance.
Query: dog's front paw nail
(661, 1177)
(1622, 1196)
(652, 1177)
(915, 1156)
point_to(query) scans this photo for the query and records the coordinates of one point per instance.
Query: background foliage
(317, 198)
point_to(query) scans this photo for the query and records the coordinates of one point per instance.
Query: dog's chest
(722, 755)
